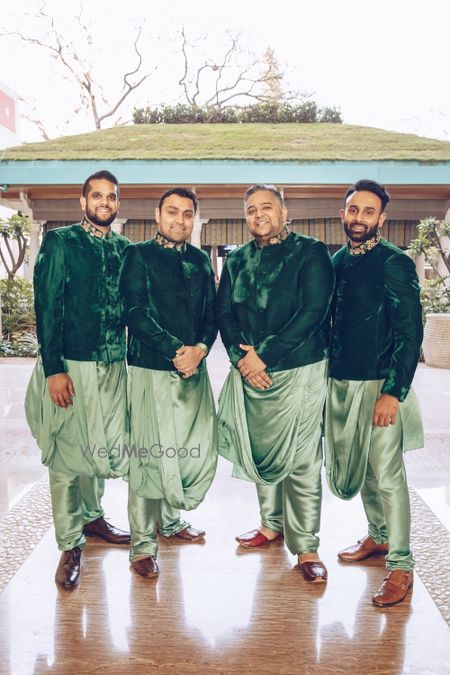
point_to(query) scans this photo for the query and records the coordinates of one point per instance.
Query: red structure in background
(7, 112)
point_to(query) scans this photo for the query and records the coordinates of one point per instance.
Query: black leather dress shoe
(69, 568)
(146, 567)
(101, 528)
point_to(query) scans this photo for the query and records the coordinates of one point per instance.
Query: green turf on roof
(301, 142)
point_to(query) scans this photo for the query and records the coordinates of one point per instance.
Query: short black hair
(100, 175)
(264, 186)
(185, 192)
(367, 185)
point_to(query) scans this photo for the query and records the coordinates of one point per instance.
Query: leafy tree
(16, 229)
(435, 293)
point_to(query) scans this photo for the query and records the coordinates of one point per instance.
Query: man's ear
(83, 203)
(382, 219)
(342, 214)
(157, 215)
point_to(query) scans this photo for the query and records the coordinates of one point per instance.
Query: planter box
(436, 342)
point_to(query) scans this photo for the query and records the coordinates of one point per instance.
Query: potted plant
(433, 243)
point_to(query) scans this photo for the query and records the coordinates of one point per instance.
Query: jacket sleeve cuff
(54, 366)
(235, 354)
(395, 390)
(203, 347)
(170, 351)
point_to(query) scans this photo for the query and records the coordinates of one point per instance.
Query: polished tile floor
(215, 608)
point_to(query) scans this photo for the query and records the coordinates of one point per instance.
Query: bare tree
(236, 76)
(78, 68)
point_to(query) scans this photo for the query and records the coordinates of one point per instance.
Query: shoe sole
(66, 587)
(144, 576)
(265, 543)
(186, 541)
(113, 543)
(316, 581)
(249, 547)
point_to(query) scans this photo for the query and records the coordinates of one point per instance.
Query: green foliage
(265, 113)
(435, 297)
(15, 226)
(23, 344)
(17, 308)
(435, 293)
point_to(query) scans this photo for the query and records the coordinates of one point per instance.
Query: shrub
(435, 293)
(271, 113)
(17, 307)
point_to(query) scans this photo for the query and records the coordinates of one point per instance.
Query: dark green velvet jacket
(377, 318)
(277, 298)
(77, 303)
(169, 299)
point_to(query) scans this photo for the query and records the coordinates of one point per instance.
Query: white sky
(384, 64)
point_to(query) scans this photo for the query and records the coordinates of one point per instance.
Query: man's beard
(101, 222)
(361, 236)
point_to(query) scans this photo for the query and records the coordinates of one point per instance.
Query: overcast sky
(384, 64)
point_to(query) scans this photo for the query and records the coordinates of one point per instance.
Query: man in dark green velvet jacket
(169, 291)
(272, 307)
(76, 399)
(372, 414)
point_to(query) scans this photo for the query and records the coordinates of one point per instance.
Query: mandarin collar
(161, 240)
(93, 231)
(366, 246)
(277, 238)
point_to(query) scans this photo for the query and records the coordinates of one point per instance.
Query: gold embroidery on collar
(93, 231)
(278, 238)
(365, 246)
(161, 240)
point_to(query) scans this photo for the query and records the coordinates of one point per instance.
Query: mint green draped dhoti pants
(174, 433)
(361, 457)
(82, 444)
(273, 438)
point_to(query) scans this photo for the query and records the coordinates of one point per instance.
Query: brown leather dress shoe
(101, 528)
(69, 568)
(394, 588)
(189, 534)
(365, 548)
(255, 538)
(314, 571)
(146, 567)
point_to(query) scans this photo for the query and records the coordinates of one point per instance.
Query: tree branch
(8, 270)
(183, 80)
(128, 86)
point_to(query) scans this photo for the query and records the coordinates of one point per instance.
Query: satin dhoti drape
(81, 444)
(273, 437)
(361, 457)
(173, 451)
